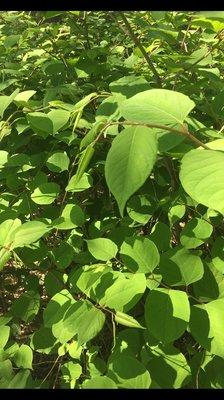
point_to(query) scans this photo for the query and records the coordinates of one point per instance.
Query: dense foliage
(112, 200)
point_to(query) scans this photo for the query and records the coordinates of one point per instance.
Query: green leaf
(206, 326)
(71, 217)
(201, 175)
(157, 106)
(168, 367)
(19, 381)
(99, 382)
(132, 290)
(129, 373)
(45, 193)
(127, 320)
(102, 248)
(76, 321)
(6, 370)
(41, 124)
(195, 233)
(5, 101)
(23, 358)
(129, 162)
(78, 185)
(139, 254)
(179, 266)
(5, 331)
(88, 277)
(161, 236)
(29, 233)
(56, 307)
(176, 212)
(167, 314)
(3, 157)
(23, 97)
(59, 119)
(217, 254)
(26, 306)
(58, 162)
(140, 208)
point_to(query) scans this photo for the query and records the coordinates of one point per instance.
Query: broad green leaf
(58, 162)
(71, 371)
(157, 106)
(102, 249)
(6, 370)
(81, 319)
(41, 124)
(24, 357)
(195, 233)
(19, 381)
(179, 266)
(131, 288)
(43, 341)
(217, 254)
(71, 217)
(59, 119)
(56, 307)
(167, 314)
(129, 373)
(5, 331)
(127, 320)
(3, 157)
(7, 232)
(161, 236)
(139, 254)
(23, 97)
(45, 193)
(78, 185)
(176, 212)
(140, 208)
(26, 306)
(5, 101)
(99, 382)
(129, 162)
(201, 175)
(29, 233)
(168, 367)
(206, 326)
(88, 277)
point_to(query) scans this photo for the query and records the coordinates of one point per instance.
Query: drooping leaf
(129, 162)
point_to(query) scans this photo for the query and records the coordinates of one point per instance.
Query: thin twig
(137, 42)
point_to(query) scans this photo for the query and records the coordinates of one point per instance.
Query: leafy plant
(112, 200)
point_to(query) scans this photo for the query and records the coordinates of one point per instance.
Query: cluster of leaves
(112, 200)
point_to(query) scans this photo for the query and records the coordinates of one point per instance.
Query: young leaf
(129, 162)
(99, 382)
(127, 320)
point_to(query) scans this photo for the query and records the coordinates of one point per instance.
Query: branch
(183, 132)
(137, 42)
